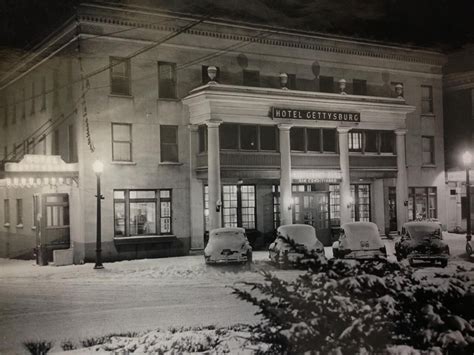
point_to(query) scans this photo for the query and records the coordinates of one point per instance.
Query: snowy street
(76, 302)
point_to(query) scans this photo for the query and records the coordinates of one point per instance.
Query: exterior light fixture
(98, 168)
(467, 161)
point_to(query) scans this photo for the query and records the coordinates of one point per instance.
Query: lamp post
(98, 167)
(467, 160)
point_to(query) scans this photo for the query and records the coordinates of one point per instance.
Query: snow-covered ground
(77, 302)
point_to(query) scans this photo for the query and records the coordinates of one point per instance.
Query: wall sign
(293, 114)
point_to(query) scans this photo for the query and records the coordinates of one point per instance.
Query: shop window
(335, 204)
(387, 142)
(426, 99)
(251, 77)
(229, 136)
(359, 87)
(6, 211)
(121, 142)
(268, 138)
(205, 77)
(169, 143)
(370, 141)
(326, 83)
(422, 203)
(314, 139)
(355, 141)
(297, 139)
(247, 208)
(120, 78)
(19, 212)
(428, 150)
(248, 137)
(291, 81)
(136, 212)
(360, 209)
(167, 80)
(202, 133)
(229, 205)
(329, 140)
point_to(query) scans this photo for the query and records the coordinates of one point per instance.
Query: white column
(196, 206)
(345, 186)
(402, 182)
(214, 174)
(286, 215)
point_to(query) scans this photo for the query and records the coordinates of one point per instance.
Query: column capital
(284, 126)
(213, 123)
(401, 131)
(193, 127)
(343, 129)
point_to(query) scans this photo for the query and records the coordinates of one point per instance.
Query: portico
(223, 108)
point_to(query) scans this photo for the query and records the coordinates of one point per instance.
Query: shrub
(68, 345)
(40, 347)
(347, 307)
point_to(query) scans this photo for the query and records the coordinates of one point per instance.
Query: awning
(40, 170)
(311, 176)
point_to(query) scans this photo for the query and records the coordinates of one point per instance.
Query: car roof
(227, 230)
(422, 224)
(300, 233)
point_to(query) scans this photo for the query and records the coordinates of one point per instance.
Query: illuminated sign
(293, 114)
(312, 176)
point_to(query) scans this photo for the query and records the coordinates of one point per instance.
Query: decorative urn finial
(342, 87)
(212, 72)
(284, 81)
(399, 90)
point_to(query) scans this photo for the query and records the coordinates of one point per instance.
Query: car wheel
(468, 249)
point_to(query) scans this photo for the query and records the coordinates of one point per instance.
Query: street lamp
(467, 160)
(98, 168)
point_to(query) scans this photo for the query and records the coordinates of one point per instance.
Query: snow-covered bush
(350, 307)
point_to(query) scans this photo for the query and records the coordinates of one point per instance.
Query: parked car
(422, 241)
(359, 240)
(228, 245)
(292, 242)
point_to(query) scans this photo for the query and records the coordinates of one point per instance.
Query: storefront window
(229, 208)
(335, 204)
(248, 206)
(136, 212)
(422, 203)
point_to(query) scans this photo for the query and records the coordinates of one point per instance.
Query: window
(205, 76)
(43, 93)
(251, 77)
(239, 208)
(121, 142)
(422, 203)
(120, 78)
(169, 143)
(335, 204)
(268, 138)
(202, 133)
(167, 80)
(229, 205)
(57, 210)
(72, 145)
(360, 210)
(247, 206)
(355, 141)
(426, 99)
(19, 212)
(370, 141)
(206, 208)
(297, 139)
(314, 139)
(136, 212)
(56, 142)
(291, 81)
(326, 83)
(428, 150)
(329, 140)
(229, 136)
(387, 142)
(6, 211)
(248, 137)
(359, 87)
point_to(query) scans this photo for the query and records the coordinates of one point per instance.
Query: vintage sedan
(359, 240)
(422, 241)
(228, 245)
(293, 241)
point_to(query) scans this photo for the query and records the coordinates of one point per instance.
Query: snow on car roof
(422, 224)
(227, 230)
(300, 233)
(356, 231)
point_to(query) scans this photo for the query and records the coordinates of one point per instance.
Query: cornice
(301, 41)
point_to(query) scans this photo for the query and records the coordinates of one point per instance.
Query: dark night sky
(443, 24)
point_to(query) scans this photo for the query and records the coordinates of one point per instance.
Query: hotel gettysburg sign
(293, 114)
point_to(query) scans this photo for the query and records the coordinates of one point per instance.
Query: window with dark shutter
(167, 80)
(120, 76)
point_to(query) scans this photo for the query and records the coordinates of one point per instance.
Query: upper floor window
(251, 77)
(387, 142)
(359, 87)
(268, 137)
(248, 137)
(428, 150)
(205, 75)
(167, 80)
(202, 133)
(426, 99)
(169, 143)
(120, 78)
(312, 139)
(6, 211)
(121, 142)
(291, 81)
(19, 212)
(355, 141)
(326, 83)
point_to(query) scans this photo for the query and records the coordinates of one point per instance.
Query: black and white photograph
(237, 177)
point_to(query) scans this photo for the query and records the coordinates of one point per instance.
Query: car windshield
(422, 231)
(300, 234)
